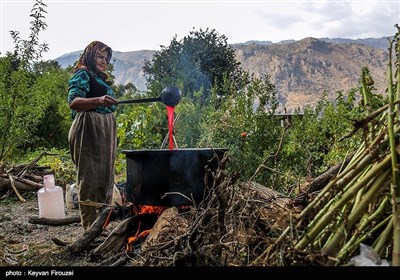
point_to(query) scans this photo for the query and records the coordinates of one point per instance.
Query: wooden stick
(92, 233)
(54, 222)
(23, 171)
(15, 189)
(20, 183)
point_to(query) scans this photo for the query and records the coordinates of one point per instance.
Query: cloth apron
(92, 140)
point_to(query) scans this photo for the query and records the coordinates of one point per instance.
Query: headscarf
(87, 59)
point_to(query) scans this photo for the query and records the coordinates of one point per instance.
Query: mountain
(127, 65)
(381, 43)
(301, 70)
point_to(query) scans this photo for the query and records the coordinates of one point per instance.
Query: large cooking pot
(164, 177)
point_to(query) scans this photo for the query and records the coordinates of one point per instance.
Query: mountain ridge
(301, 70)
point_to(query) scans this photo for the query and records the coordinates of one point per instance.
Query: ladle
(170, 96)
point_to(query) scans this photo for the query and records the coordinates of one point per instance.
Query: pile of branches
(360, 206)
(231, 227)
(22, 177)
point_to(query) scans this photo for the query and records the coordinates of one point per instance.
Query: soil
(35, 240)
(24, 244)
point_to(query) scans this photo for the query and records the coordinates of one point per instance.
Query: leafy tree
(197, 62)
(244, 123)
(27, 89)
(29, 50)
(52, 131)
(125, 91)
(22, 104)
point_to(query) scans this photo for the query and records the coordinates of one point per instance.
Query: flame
(140, 233)
(143, 209)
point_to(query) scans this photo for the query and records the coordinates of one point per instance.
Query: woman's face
(101, 61)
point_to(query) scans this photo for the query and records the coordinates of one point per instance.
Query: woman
(92, 136)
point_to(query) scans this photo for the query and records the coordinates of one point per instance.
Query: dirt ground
(26, 244)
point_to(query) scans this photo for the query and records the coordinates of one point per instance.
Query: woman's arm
(85, 104)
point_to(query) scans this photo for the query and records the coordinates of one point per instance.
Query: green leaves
(197, 62)
(141, 126)
(30, 50)
(21, 107)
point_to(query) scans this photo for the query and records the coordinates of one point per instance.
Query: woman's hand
(84, 104)
(107, 101)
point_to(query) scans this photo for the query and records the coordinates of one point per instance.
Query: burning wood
(157, 228)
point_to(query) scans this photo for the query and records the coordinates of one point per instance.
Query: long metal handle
(128, 101)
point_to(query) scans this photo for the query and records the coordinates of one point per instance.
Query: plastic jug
(116, 197)
(51, 199)
(71, 196)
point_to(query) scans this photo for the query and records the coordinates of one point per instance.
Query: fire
(147, 216)
(137, 236)
(142, 229)
(142, 209)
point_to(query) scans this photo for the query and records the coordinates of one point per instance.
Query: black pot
(164, 177)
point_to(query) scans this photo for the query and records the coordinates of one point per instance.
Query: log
(85, 239)
(115, 239)
(266, 194)
(20, 184)
(322, 180)
(168, 225)
(34, 178)
(54, 222)
(132, 225)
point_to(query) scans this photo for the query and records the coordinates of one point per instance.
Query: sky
(148, 25)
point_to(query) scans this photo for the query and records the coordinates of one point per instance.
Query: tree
(53, 128)
(27, 89)
(197, 62)
(244, 123)
(22, 104)
(29, 50)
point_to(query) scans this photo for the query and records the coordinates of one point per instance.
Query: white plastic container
(116, 198)
(51, 199)
(71, 196)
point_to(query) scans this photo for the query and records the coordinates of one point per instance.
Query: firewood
(20, 184)
(322, 180)
(22, 173)
(121, 261)
(115, 239)
(15, 188)
(112, 259)
(54, 222)
(85, 239)
(59, 242)
(123, 230)
(266, 194)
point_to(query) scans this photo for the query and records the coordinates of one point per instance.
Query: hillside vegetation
(301, 70)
